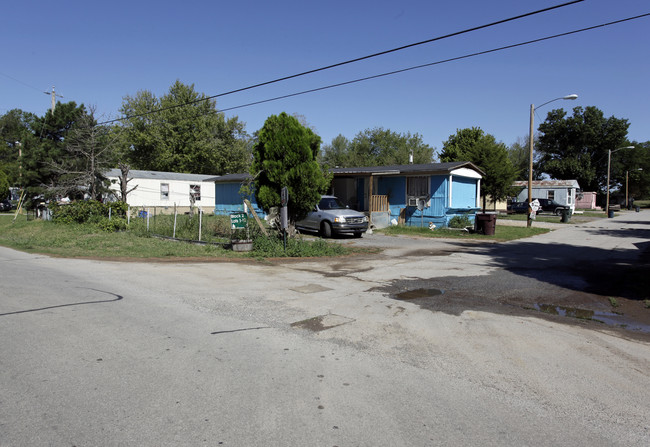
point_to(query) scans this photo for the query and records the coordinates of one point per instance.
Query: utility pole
(20, 162)
(54, 96)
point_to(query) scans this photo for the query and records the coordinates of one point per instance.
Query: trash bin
(142, 214)
(566, 215)
(636, 208)
(486, 223)
(610, 214)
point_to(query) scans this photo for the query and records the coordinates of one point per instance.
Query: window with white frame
(569, 195)
(417, 186)
(550, 195)
(164, 191)
(195, 193)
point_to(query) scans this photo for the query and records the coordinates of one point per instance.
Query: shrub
(460, 221)
(90, 211)
(112, 225)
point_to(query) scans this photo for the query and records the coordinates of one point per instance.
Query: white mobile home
(562, 191)
(164, 190)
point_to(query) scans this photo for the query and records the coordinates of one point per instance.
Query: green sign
(238, 220)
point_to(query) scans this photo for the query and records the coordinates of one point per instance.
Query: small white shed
(562, 191)
(164, 190)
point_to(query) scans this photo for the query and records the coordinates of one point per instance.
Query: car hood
(343, 213)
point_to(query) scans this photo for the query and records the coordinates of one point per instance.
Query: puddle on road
(565, 311)
(419, 293)
(608, 318)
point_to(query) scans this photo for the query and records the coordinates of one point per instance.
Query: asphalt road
(424, 344)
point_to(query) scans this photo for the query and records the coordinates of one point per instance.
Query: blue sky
(97, 53)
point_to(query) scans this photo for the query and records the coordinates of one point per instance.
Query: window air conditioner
(412, 201)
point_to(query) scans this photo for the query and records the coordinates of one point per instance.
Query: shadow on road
(117, 298)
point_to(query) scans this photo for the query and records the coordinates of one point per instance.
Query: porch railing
(378, 203)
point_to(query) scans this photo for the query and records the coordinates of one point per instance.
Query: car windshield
(330, 203)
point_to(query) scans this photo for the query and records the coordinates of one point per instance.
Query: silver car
(330, 216)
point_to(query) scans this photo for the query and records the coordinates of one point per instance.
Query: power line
(416, 67)
(453, 59)
(358, 59)
(21, 82)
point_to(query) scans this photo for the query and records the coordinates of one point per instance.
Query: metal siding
(439, 195)
(395, 189)
(464, 192)
(229, 199)
(435, 212)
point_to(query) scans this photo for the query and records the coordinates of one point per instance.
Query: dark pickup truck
(545, 205)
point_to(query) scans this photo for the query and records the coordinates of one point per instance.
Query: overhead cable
(402, 70)
(358, 59)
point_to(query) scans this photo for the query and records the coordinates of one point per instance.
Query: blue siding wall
(229, 199)
(435, 212)
(394, 188)
(463, 192)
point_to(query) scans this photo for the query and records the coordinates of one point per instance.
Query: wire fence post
(175, 214)
(200, 222)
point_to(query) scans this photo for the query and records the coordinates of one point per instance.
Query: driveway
(576, 270)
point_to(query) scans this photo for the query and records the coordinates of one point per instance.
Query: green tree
(336, 154)
(89, 151)
(45, 150)
(4, 185)
(519, 155)
(285, 156)
(472, 144)
(631, 168)
(377, 147)
(16, 134)
(182, 132)
(576, 147)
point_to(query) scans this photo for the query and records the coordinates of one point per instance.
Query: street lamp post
(530, 150)
(609, 166)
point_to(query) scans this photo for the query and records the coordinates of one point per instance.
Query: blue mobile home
(413, 195)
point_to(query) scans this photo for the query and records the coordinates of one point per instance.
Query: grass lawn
(87, 241)
(522, 217)
(37, 236)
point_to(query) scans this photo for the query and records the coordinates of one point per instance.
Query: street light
(609, 164)
(530, 150)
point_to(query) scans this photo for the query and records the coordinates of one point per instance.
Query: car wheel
(326, 229)
(556, 212)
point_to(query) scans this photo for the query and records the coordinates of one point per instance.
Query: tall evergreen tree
(285, 156)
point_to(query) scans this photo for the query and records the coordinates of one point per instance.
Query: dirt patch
(322, 322)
